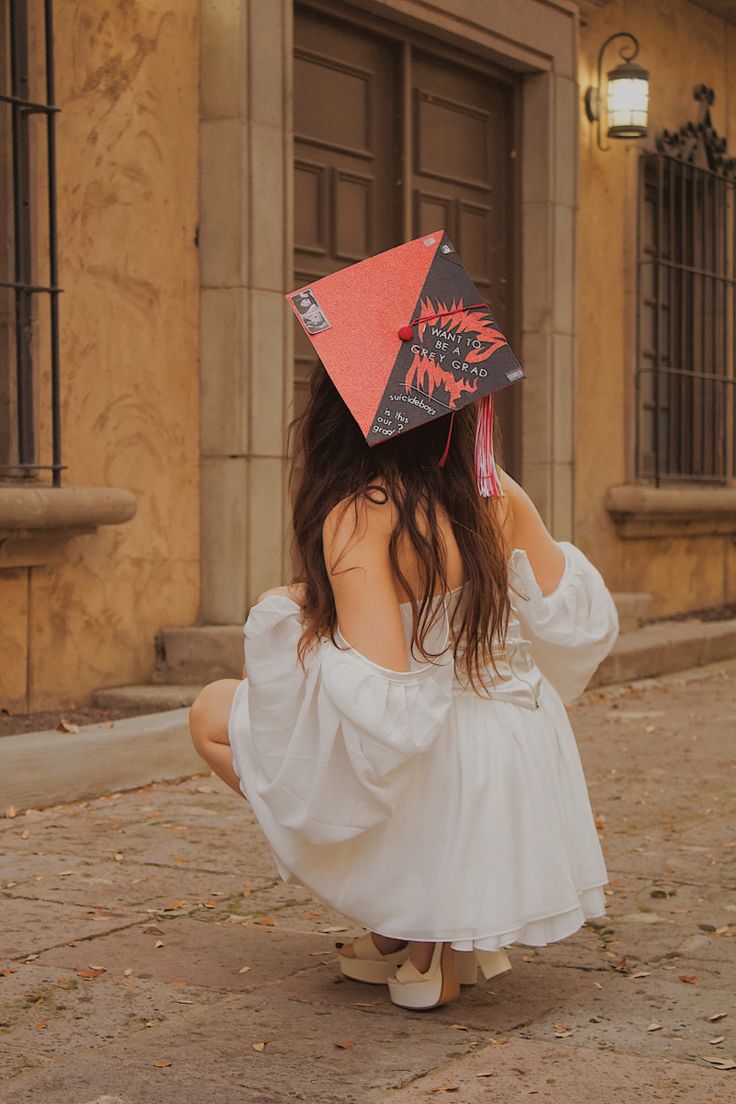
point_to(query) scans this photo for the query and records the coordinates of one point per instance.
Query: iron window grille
(29, 396)
(686, 307)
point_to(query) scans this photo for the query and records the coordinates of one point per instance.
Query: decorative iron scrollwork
(692, 138)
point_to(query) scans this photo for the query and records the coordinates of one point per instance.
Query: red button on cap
(406, 333)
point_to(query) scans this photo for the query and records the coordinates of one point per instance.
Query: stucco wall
(127, 78)
(682, 45)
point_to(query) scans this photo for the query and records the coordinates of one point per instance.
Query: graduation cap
(406, 337)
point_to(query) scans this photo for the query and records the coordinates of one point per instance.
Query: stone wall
(127, 79)
(681, 45)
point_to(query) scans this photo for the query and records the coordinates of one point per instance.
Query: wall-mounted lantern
(628, 94)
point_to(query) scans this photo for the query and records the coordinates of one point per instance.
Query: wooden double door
(395, 137)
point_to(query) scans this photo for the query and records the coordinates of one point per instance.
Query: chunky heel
(493, 963)
(409, 988)
(466, 965)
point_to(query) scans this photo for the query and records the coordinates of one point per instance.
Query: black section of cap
(456, 382)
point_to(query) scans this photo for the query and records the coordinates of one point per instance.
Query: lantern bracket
(627, 53)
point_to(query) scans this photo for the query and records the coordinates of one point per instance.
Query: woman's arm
(528, 531)
(356, 549)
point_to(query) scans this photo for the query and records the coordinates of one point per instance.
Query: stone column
(245, 265)
(549, 204)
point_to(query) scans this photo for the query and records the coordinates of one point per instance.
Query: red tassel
(489, 483)
(441, 461)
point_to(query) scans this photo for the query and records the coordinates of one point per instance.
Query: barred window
(29, 324)
(686, 311)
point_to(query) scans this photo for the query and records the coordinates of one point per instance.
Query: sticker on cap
(514, 374)
(430, 241)
(311, 315)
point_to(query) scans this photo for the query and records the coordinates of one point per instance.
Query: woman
(401, 734)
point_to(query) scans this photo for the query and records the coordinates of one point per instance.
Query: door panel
(345, 148)
(463, 181)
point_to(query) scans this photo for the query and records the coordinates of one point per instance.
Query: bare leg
(208, 718)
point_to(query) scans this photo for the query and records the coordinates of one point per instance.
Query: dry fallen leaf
(67, 726)
(89, 973)
(259, 1046)
(691, 979)
(267, 921)
(162, 1064)
(345, 1044)
(244, 969)
(717, 1016)
(118, 856)
(445, 1088)
(128, 972)
(654, 1027)
(722, 929)
(460, 1027)
(329, 931)
(640, 974)
(153, 930)
(6, 971)
(10, 812)
(204, 789)
(716, 1039)
(159, 943)
(174, 905)
(42, 1024)
(719, 1063)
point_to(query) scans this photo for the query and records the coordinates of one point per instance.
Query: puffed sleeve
(573, 628)
(326, 748)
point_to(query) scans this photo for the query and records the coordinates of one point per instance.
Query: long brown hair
(332, 463)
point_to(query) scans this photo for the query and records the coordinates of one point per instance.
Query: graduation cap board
(406, 337)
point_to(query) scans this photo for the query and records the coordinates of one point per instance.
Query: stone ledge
(35, 522)
(46, 768)
(642, 511)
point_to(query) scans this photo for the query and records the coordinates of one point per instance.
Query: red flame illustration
(426, 373)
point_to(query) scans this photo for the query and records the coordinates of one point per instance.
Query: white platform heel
(492, 964)
(409, 988)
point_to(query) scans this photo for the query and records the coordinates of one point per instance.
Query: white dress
(414, 806)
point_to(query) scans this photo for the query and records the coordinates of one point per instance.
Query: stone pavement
(150, 955)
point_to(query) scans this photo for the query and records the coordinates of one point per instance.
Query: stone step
(198, 654)
(664, 647)
(633, 609)
(146, 696)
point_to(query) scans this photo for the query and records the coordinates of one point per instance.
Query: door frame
(246, 235)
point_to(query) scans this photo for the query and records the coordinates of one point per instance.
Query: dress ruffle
(572, 629)
(411, 804)
(330, 746)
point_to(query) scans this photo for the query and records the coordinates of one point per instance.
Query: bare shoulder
(357, 529)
